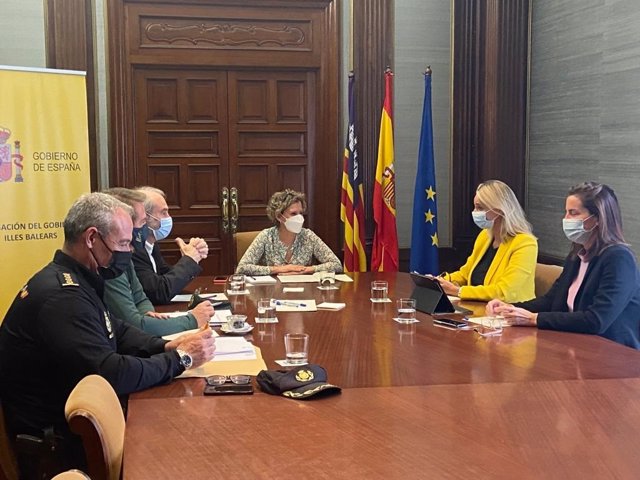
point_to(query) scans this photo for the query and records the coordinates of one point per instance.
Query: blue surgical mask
(140, 236)
(574, 229)
(166, 223)
(481, 220)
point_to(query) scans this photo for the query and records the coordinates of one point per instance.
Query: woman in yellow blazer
(503, 261)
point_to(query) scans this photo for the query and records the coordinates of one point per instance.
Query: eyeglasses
(489, 327)
(222, 379)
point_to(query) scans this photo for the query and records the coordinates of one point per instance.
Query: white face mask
(294, 223)
(481, 220)
(574, 229)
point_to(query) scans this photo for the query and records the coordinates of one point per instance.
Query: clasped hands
(197, 248)
(291, 269)
(512, 315)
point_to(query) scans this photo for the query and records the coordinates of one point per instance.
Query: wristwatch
(185, 359)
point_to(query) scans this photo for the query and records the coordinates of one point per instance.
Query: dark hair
(601, 201)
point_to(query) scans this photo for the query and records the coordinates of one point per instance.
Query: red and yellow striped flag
(351, 208)
(384, 257)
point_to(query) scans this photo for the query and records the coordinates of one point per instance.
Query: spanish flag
(351, 208)
(384, 255)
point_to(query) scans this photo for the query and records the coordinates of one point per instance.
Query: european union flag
(424, 232)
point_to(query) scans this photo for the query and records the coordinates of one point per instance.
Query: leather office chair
(545, 276)
(71, 475)
(93, 411)
(242, 240)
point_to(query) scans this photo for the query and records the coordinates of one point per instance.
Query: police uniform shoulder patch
(67, 280)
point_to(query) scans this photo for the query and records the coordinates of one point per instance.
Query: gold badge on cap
(304, 375)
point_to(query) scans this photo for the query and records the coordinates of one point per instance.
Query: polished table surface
(415, 397)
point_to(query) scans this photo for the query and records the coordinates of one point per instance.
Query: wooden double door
(220, 142)
(220, 133)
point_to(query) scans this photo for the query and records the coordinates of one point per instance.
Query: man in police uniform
(58, 330)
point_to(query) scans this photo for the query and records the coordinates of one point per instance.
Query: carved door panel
(269, 137)
(182, 148)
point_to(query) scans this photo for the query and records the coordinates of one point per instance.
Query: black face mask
(119, 263)
(140, 236)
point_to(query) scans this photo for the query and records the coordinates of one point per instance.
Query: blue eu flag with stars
(424, 231)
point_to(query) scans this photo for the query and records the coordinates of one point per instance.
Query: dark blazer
(607, 303)
(161, 287)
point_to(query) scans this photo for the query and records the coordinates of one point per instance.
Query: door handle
(234, 209)
(225, 209)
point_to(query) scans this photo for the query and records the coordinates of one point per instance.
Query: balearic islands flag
(384, 256)
(424, 232)
(351, 208)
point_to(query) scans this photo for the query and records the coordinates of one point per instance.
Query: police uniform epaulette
(67, 280)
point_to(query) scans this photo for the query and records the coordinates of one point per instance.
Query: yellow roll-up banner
(44, 167)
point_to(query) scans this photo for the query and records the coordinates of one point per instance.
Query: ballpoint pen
(290, 304)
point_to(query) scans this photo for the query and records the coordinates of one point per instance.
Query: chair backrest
(71, 475)
(242, 240)
(8, 464)
(93, 411)
(545, 276)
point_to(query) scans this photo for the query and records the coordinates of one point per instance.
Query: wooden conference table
(418, 401)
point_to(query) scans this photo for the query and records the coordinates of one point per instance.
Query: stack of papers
(233, 348)
(185, 297)
(173, 336)
(331, 306)
(219, 317)
(311, 278)
(260, 279)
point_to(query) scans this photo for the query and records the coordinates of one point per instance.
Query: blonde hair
(497, 196)
(280, 201)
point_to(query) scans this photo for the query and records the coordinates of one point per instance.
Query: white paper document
(331, 306)
(185, 297)
(293, 289)
(342, 277)
(220, 317)
(260, 279)
(478, 320)
(233, 348)
(294, 305)
(173, 336)
(308, 278)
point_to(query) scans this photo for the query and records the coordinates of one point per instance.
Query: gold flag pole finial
(428, 70)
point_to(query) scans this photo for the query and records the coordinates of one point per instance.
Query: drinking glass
(296, 346)
(266, 311)
(379, 291)
(406, 310)
(236, 283)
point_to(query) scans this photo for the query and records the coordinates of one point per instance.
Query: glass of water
(266, 311)
(406, 310)
(236, 283)
(379, 291)
(296, 346)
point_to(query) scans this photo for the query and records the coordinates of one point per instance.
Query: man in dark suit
(160, 281)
